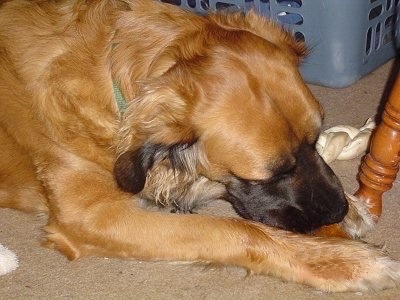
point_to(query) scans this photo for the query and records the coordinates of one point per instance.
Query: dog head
(228, 103)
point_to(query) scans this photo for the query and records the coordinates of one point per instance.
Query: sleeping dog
(215, 108)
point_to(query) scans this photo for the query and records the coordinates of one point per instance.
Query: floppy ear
(131, 168)
(156, 125)
(253, 22)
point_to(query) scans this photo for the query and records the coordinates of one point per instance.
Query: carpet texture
(46, 274)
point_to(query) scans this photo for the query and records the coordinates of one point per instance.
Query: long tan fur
(61, 133)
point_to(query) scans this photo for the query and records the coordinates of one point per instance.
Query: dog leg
(90, 216)
(359, 220)
(19, 188)
(117, 229)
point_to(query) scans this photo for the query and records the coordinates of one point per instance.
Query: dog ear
(157, 122)
(255, 23)
(131, 168)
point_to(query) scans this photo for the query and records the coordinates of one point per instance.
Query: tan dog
(216, 108)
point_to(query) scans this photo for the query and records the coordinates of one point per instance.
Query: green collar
(119, 98)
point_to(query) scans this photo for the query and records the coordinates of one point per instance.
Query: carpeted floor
(46, 274)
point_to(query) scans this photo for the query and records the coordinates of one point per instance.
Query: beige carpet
(45, 274)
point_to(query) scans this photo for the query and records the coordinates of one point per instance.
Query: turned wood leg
(380, 166)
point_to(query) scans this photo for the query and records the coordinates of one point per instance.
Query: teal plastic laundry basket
(347, 38)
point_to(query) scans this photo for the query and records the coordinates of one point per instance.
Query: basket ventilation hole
(389, 29)
(224, 5)
(191, 3)
(299, 36)
(175, 2)
(205, 4)
(388, 4)
(290, 3)
(290, 18)
(375, 12)
(368, 43)
(388, 38)
(390, 21)
(377, 36)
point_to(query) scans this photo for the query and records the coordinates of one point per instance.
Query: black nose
(339, 214)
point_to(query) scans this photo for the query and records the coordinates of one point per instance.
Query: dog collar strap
(119, 98)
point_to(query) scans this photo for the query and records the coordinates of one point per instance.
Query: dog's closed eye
(282, 173)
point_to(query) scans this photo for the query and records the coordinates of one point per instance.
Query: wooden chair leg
(380, 166)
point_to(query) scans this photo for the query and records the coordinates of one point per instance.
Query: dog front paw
(338, 265)
(366, 269)
(358, 221)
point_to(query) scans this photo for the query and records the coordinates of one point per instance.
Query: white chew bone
(344, 142)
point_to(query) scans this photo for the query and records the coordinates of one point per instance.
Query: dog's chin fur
(210, 98)
(174, 190)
